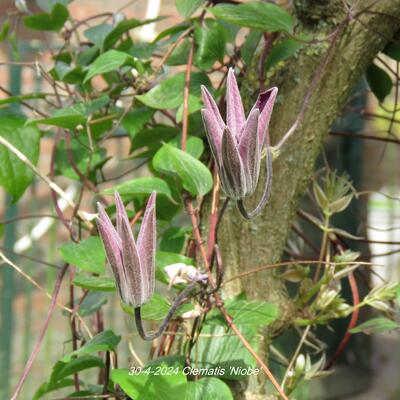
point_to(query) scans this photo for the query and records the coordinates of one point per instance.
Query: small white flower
(119, 103)
(134, 72)
(182, 273)
(196, 312)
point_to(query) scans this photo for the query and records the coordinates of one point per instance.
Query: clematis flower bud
(132, 262)
(237, 144)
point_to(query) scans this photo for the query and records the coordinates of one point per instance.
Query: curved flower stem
(177, 302)
(267, 191)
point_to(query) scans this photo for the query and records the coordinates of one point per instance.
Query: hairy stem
(177, 302)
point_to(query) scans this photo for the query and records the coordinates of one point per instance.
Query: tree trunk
(248, 245)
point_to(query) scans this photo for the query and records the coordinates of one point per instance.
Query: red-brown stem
(269, 39)
(185, 120)
(35, 351)
(73, 323)
(24, 103)
(172, 48)
(219, 302)
(352, 323)
(285, 264)
(163, 340)
(106, 372)
(169, 115)
(363, 136)
(136, 217)
(168, 339)
(102, 378)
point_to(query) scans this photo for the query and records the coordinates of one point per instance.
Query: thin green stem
(295, 355)
(323, 246)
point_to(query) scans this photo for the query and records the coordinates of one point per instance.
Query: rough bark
(247, 245)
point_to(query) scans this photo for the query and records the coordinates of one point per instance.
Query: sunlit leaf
(103, 341)
(15, 176)
(87, 255)
(264, 16)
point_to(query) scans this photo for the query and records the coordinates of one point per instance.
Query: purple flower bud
(237, 144)
(132, 263)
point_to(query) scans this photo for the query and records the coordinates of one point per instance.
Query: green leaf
(87, 55)
(195, 176)
(91, 303)
(174, 238)
(107, 62)
(98, 283)
(149, 140)
(392, 49)
(249, 46)
(51, 387)
(125, 26)
(379, 81)
(4, 31)
(231, 31)
(98, 33)
(264, 16)
(211, 40)
(70, 117)
(219, 347)
(180, 55)
(187, 7)
(61, 369)
(151, 386)
(136, 119)
(169, 93)
(15, 176)
(173, 30)
(88, 254)
(103, 341)
(376, 325)
(156, 309)
(53, 21)
(282, 51)
(22, 97)
(208, 388)
(142, 50)
(141, 187)
(194, 145)
(195, 104)
(256, 313)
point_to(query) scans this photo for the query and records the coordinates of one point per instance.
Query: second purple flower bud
(237, 144)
